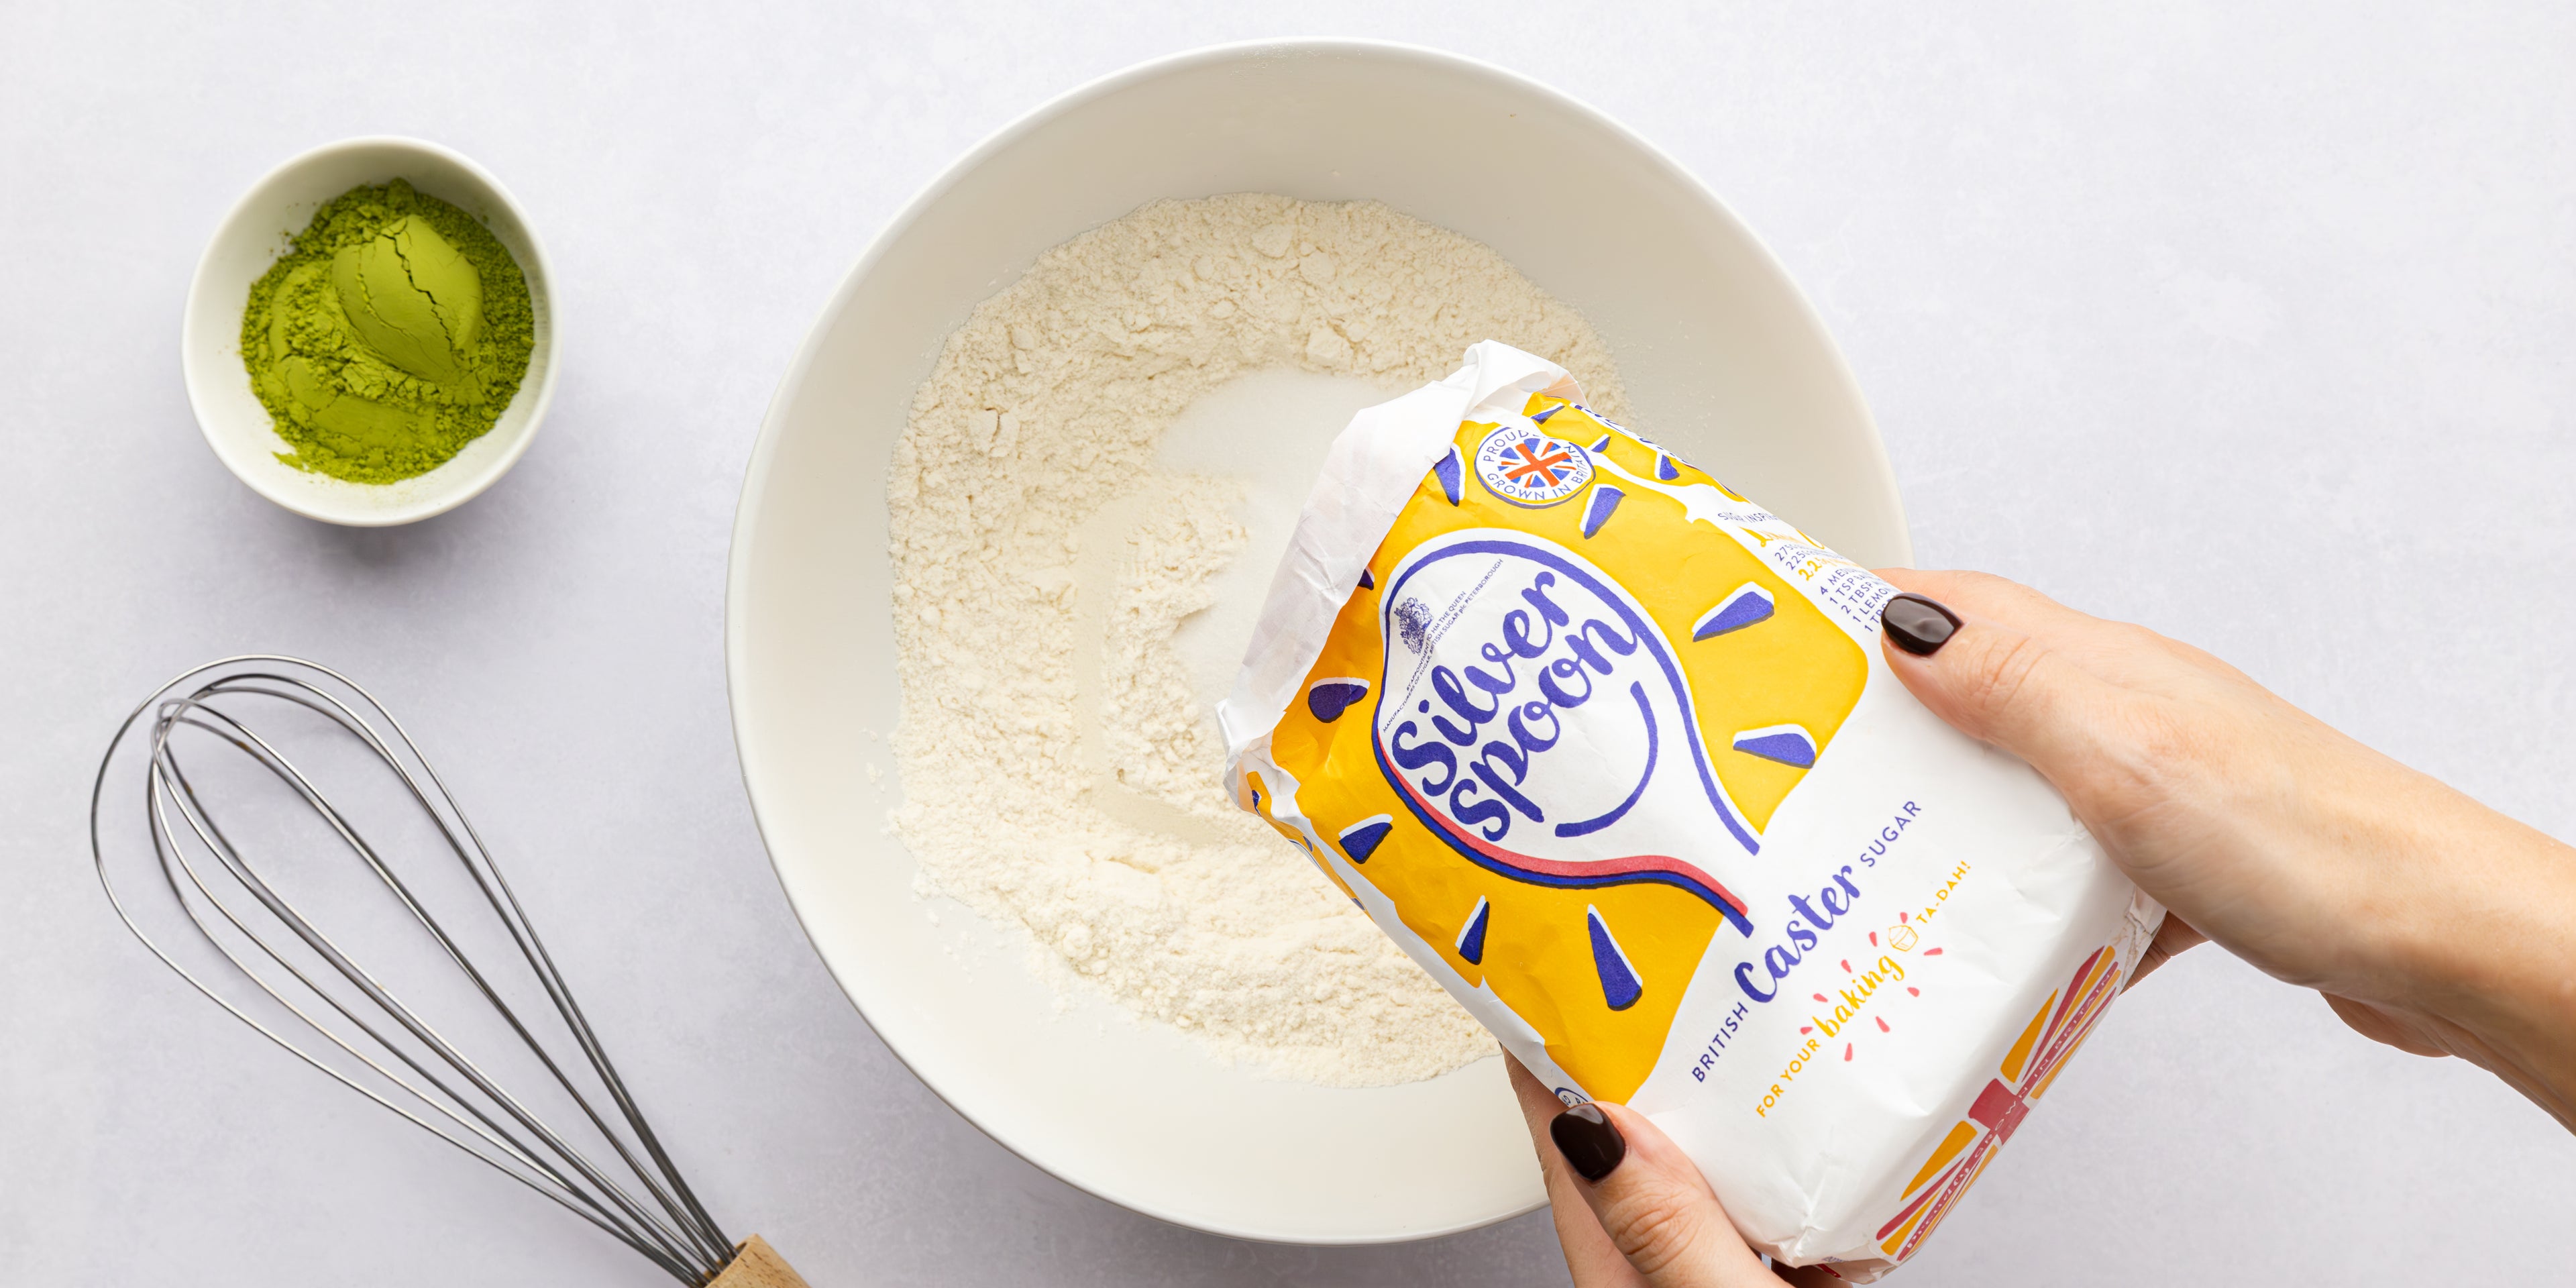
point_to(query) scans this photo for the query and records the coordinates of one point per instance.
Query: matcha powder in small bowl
(393, 334)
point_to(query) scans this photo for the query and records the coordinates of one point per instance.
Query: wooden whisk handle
(757, 1265)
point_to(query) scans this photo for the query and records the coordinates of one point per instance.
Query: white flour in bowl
(1061, 769)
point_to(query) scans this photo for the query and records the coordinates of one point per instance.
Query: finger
(1652, 1202)
(2012, 692)
(1589, 1254)
(1590, 1257)
(2171, 938)
(1993, 682)
(1989, 598)
(2119, 652)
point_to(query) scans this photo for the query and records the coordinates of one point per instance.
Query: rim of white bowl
(432, 503)
(764, 450)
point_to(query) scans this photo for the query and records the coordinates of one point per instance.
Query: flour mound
(1058, 772)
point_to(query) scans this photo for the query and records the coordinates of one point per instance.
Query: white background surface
(2250, 324)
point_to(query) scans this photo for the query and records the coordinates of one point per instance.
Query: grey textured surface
(2251, 323)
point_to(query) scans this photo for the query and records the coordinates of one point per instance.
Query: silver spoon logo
(1542, 727)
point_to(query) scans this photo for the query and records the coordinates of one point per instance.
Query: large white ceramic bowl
(254, 235)
(1722, 358)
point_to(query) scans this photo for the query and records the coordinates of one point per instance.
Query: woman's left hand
(1639, 1212)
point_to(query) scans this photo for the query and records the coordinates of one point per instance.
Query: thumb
(1623, 1191)
(1999, 685)
(1652, 1202)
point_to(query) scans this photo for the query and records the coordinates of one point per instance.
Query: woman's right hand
(2427, 920)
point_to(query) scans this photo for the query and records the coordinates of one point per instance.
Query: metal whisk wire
(436, 1087)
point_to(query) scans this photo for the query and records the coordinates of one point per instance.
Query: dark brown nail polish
(1918, 625)
(1589, 1142)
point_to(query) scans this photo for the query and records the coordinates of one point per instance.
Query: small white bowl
(254, 236)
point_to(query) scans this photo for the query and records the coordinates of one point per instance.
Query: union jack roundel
(1522, 465)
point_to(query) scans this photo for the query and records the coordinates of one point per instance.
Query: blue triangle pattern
(1361, 839)
(1743, 606)
(1452, 474)
(1471, 941)
(1597, 511)
(1787, 744)
(1619, 984)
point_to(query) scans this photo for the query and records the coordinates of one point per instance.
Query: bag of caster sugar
(1613, 753)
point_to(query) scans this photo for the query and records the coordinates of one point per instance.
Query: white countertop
(2254, 326)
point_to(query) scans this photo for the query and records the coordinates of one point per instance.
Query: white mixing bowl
(1723, 361)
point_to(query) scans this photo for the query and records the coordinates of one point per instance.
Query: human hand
(2428, 921)
(1643, 1215)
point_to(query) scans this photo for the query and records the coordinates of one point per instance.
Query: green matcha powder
(393, 334)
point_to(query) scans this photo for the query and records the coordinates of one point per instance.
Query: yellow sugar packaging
(1613, 753)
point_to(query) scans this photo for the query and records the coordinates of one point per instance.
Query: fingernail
(1918, 625)
(1588, 1141)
